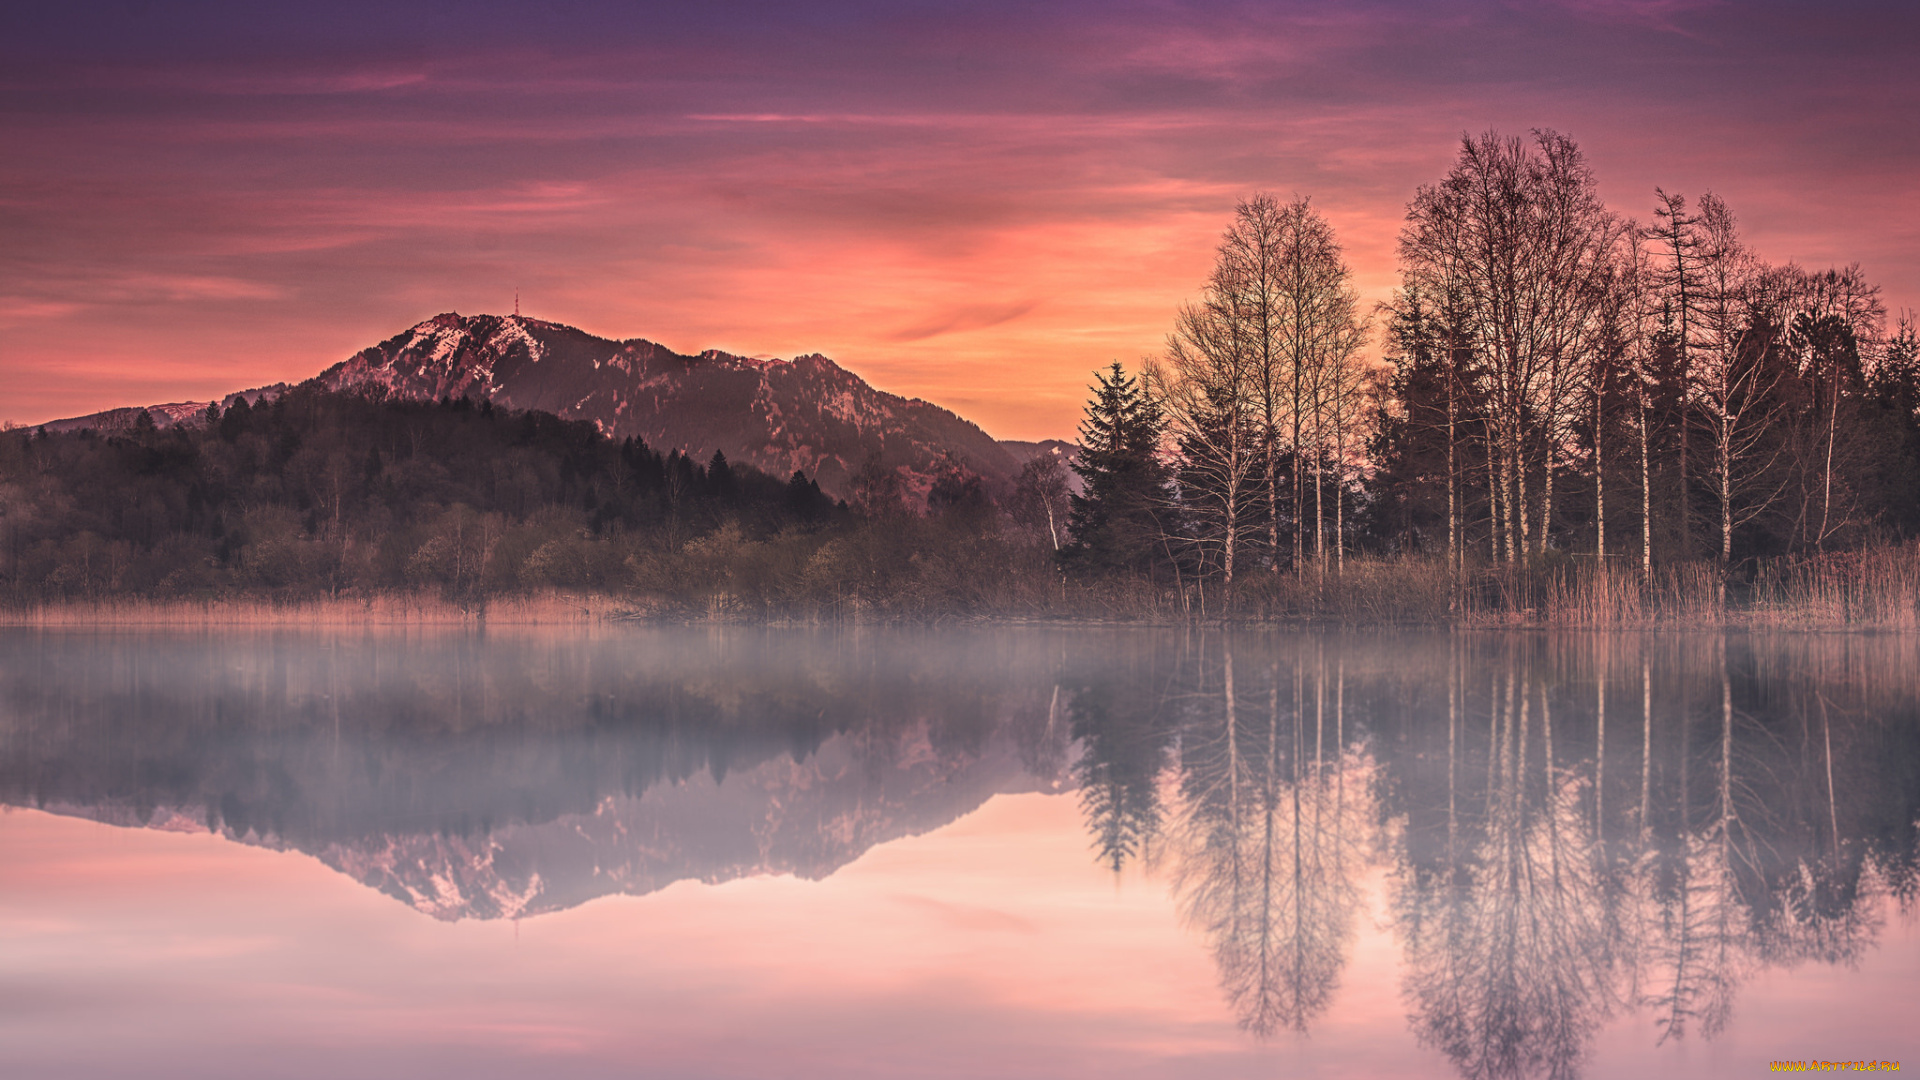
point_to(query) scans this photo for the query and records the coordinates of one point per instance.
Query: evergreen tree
(1116, 519)
(1410, 442)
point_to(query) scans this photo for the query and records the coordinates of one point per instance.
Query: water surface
(733, 853)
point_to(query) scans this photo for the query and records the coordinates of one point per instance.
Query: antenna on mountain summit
(516, 303)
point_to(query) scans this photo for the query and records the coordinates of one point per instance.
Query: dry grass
(395, 609)
(1876, 589)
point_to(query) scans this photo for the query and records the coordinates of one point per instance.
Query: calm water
(693, 853)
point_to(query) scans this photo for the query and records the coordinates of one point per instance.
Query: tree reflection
(1266, 844)
(1695, 946)
(1124, 747)
(1552, 903)
(1508, 951)
(1552, 865)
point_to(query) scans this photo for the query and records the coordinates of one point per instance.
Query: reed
(1875, 588)
(1870, 589)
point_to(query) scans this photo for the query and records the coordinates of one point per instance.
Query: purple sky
(975, 204)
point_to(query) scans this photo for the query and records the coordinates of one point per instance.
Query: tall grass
(415, 609)
(1874, 588)
(855, 582)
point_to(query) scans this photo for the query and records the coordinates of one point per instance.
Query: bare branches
(1263, 381)
(1516, 240)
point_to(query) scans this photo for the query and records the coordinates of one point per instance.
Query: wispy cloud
(961, 318)
(972, 204)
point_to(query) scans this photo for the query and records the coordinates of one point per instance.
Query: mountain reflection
(1571, 829)
(482, 776)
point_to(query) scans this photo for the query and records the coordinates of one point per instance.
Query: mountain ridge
(806, 414)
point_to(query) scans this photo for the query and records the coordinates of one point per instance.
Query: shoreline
(555, 609)
(378, 610)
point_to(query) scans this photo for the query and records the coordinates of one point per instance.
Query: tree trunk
(1546, 502)
(1272, 437)
(1686, 386)
(1493, 500)
(1826, 487)
(1599, 487)
(1646, 500)
(1339, 505)
(1299, 476)
(1520, 496)
(1453, 512)
(1726, 497)
(1319, 516)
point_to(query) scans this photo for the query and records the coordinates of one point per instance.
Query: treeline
(1564, 387)
(315, 494)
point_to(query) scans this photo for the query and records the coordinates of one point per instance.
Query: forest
(1575, 409)
(1573, 416)
(319, 495)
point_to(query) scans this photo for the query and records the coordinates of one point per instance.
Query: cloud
(962, 318)
(970, 203)
(15, 310)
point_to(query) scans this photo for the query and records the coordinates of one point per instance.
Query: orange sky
(975, 204)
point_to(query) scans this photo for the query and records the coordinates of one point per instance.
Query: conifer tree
(1116, 519)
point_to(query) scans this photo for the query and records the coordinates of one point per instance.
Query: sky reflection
(1334, 856)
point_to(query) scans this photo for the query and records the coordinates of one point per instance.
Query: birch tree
(1517, 230)
(1281, 280)
(1262, 368)
(1742, 305)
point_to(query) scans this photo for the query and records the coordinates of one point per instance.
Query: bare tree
(1676, 241)
(1517, 231)
(1250, 282)
(1209, 412)
(1263, 369)
(1735, 375)
(1349, 392)
(1040, 497)
(1281, 276)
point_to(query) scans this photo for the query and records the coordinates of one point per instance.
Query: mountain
(807, 414)
(1060, 450)
(163, 416)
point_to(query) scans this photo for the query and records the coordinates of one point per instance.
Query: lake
(1026, 852)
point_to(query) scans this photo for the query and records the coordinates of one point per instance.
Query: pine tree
(1116, 518)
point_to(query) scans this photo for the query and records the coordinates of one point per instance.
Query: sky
(972, 203)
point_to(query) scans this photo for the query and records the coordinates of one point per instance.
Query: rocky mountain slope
(806, 414)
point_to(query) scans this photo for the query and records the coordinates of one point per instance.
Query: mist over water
(721, 852)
